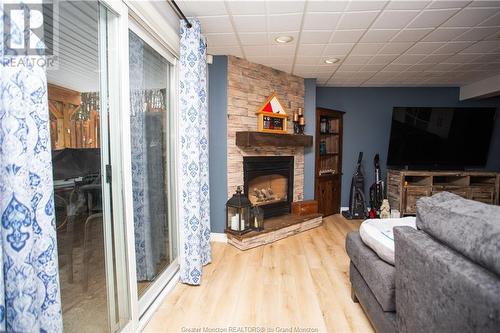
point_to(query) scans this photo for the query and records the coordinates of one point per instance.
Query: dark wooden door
(328, 195)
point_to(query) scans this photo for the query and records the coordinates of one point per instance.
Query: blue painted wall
(217, 114)
(367, 122)
(310, 115)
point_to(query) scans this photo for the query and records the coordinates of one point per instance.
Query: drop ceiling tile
(310, 49)
(382, 35)
(395, 47)
(356, 60)
(485, 3)
(326, 6)
(468, 17)
(321, 21)
(285, 7)
(434, 58)
(349, 68)
(444, 67)
(475, 34)
(432, 18)
(338, 49)
(382, 59)
(424, 47)
(246, 7)
(273, 35)
(346, 36)
(282, 50)
(191, 8)
(287, 68)
(221, 39)
(250, 23)
(409, 59)
(284, 22)
(356, 20)
(402, 5)
(439, 4)
(217, 24)
(488, 58)
(395, 68)
(262, 50)
(365, 5)
(452, 47)
(271, 60)
(315, 37)
(483, 47)
(411, 35)
(255, 38)
(372, 67)
(460, 58)
(420, 67)
(366, 48)
(493, 21)
(225, 50)
(444, 34)
(394, 19)
(302, 60)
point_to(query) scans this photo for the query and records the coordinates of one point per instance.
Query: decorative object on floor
(306, 207)
(385, 209)
(238, 213)
(258, 218)
(377, 191)
(272, 116)
(395, 214)
(357, 205)
(194, 214)
(29, 284)
(299, 122)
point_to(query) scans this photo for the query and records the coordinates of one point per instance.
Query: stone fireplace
(268, 182)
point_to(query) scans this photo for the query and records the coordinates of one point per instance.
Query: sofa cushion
(469, 227)
(378, 274)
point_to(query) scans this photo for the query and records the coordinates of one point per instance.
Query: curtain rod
(179, 13)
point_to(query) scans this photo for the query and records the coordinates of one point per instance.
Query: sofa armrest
(439, 290)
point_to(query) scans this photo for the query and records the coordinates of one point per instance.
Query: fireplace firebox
(268, 182)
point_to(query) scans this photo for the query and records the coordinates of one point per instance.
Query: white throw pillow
(378, 235)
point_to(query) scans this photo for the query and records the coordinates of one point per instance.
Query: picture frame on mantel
(272, 116)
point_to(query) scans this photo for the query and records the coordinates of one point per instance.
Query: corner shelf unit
(328, 161)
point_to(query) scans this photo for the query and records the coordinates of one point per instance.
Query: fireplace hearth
(268, 182)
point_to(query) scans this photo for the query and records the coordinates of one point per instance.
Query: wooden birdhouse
(272, 116)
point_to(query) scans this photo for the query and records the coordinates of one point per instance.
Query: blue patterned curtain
(29, 280)
(195, 201)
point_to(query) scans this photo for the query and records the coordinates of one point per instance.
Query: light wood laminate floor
(299, 283)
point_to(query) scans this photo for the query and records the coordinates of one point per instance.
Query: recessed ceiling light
(331, 61)
(283, 39)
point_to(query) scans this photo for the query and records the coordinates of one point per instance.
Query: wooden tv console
(405, 187)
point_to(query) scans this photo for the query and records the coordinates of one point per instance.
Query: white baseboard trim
(343, 209)
(218, 237)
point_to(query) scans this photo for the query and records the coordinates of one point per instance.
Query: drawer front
(411, 197)
(483, 195)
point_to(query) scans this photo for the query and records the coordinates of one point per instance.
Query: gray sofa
(446, 276)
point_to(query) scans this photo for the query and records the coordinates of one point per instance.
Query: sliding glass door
(153, 187)
(87, 200)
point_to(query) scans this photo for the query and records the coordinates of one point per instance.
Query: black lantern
(257, 218)
(238, 210)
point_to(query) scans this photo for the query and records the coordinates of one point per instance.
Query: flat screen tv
(441, 138)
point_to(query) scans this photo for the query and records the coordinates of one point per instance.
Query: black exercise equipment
(357, 205)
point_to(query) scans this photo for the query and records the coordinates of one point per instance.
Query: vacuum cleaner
(376, 191)
(357, 205)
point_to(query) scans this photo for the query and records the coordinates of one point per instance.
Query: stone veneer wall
(249, 85)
